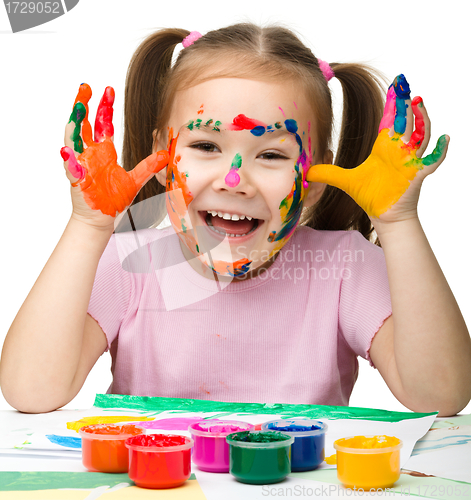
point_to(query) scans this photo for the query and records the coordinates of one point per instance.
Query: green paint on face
(237, 161)
(159, 405)
(77, 116)
(217, 125)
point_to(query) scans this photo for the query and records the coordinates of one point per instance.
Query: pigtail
(363, 95)
(146, 75)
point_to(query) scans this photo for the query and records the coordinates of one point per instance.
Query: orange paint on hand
(84, 94)
(107, 186)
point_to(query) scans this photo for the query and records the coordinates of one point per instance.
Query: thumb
(332, 175)
(149, 166)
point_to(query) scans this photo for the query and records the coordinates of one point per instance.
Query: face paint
(291, 206)
(232, 178)
(264, 207)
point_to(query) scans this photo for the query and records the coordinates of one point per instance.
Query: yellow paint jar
(368, 462)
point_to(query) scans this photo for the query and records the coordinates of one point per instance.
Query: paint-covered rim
(365, 451)
(272, 425)
(273, 444)
(109, 437)
(243, 426)
(160, 449)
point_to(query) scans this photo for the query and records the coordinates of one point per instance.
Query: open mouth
(232, 225)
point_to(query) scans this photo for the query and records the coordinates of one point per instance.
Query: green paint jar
(259, 457)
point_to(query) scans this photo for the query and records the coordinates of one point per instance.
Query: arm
(423, 351)
(52, 343)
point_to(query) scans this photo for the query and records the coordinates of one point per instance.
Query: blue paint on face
(291, 125)
(258, 131)
(67, 441)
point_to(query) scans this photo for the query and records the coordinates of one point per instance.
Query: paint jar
(159, 460)
(307, 451)
(368, 462)
(257, 457)
(211, 451)
(103, 448)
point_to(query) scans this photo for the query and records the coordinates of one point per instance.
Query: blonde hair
(248, 51)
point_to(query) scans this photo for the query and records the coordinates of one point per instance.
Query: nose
(235, 180)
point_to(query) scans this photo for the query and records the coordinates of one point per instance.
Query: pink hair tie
(191, 39)
(326, 69)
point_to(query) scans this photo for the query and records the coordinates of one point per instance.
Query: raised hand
(99, 184)
(387, 184)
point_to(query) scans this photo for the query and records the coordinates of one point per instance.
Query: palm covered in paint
(387, 184)
(100, 187)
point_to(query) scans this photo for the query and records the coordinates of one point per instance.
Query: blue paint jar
(307, 451)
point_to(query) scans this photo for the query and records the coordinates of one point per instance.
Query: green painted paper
(145, 403)
(45, 480)
(33, 481)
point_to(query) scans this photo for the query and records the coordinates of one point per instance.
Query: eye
(273, 155)
(206, 147)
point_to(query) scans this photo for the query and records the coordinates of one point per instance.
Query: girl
(266, 287)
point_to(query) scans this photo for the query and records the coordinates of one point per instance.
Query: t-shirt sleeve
(111, 292)
(365, 300)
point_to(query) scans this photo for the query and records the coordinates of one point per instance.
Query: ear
(158, 145)
(316, 189)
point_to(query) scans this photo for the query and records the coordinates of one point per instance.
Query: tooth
(214, 213)
(235, 217)
(249, 218)
(226, 216)
(241, 217)
(220, 214)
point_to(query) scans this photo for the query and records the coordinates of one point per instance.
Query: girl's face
(239, 154)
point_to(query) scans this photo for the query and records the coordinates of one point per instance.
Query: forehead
(223, 99)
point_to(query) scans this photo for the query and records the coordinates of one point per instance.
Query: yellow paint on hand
(112, 419)
(380, 181)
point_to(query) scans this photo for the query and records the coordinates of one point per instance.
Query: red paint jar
(159, 460)
(103, 448)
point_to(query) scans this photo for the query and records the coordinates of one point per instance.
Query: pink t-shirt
(290, 335)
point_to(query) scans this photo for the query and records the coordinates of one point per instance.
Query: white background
(41, 70)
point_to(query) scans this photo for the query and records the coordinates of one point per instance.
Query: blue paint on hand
(402, 90)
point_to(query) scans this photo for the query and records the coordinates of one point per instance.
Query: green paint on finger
(437, 153)
(77, 116)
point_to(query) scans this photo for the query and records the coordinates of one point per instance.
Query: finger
(84, 94)
(104, 116)
(332, 175)
(402, 89)
(389, 110)
(74, 132)
(421, 137)
(73, 166)
(154, 163)
(436, 157)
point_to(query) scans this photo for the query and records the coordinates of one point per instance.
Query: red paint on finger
(73, 165)
(104, 116)
(419, 132)
(84, 94)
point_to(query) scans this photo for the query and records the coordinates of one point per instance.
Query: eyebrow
(276, 130)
